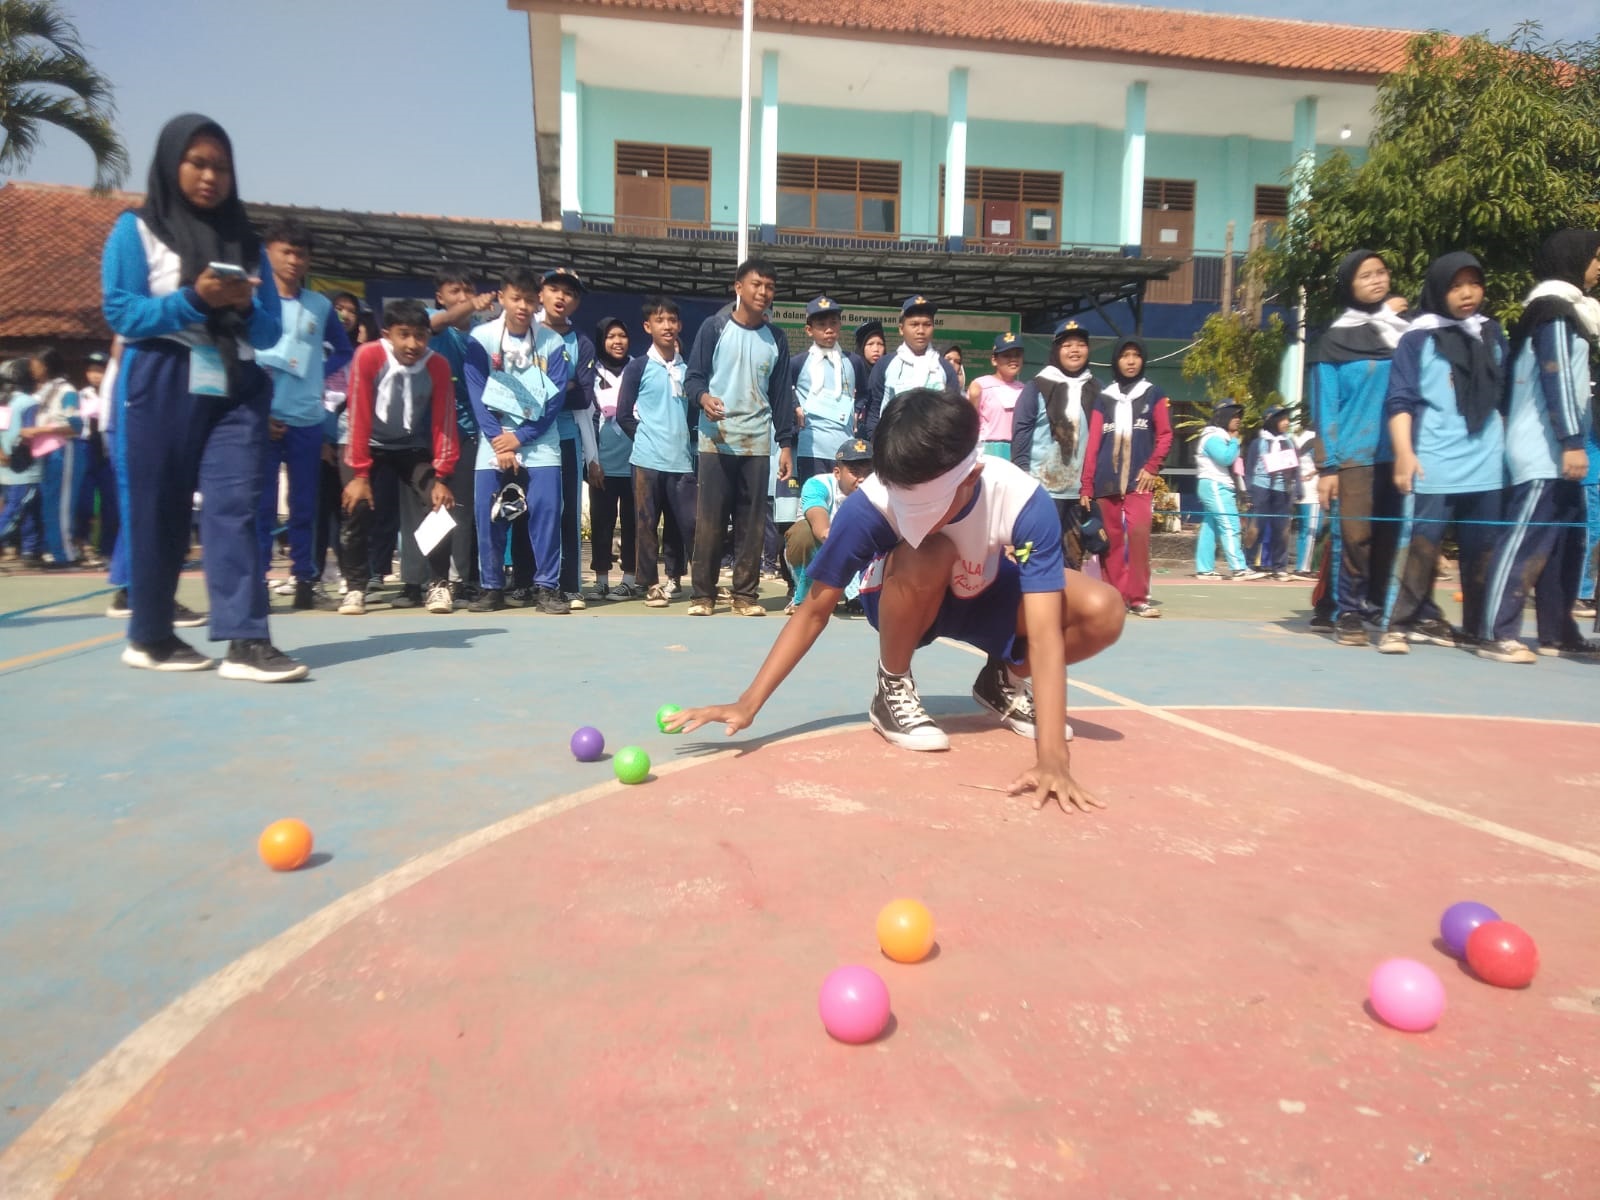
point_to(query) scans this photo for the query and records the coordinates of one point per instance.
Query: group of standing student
(1441, 421)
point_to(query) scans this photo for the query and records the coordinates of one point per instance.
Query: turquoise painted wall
(1226, 170)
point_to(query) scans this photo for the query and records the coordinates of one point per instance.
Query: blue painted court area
(128, 869)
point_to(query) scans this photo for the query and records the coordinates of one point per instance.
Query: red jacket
(365, 369)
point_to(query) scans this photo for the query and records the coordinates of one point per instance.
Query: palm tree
(46, 80)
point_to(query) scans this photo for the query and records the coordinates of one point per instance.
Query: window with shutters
(1004, 205)
(1272, 203)
(1169, 195)
(838, 195)
(663, 184)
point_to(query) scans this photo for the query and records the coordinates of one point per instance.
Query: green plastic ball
(662, 713)
(632, 764)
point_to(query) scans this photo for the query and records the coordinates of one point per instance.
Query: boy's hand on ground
(357, 491)
(442, 496)
(1047, 778)
(505, 443)
(734, 716)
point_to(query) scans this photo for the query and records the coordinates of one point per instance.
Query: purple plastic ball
(854, 1004)
(588, 744)
(1458, 922)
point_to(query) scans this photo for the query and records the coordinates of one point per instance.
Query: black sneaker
(259, 661)
(1351, 630)
(169, 654)
(551, 602)
(466, 593)
(1434, 632)
(410, 597)
(489, 600)
(1009, 698)
(119, 604)
(305, 596)
(184, 617)
(1323, 622)
(520, 597)
(896, 712)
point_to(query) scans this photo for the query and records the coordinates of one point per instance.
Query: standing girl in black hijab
(179, 276)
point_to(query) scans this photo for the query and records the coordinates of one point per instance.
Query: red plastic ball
(1502, 954)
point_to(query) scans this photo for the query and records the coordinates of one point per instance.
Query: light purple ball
(588, 744)
(1406, 994)
(854, 1004)
(1458, 922)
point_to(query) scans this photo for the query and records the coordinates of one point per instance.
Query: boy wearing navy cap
(560, 293)
(954, 544)
(916, 364)
(825, 381)
(819, 500)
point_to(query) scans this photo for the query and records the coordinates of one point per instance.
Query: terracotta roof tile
(50, 244)
(1099, 30)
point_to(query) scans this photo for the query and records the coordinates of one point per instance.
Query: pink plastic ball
(1406, 994)
(854, 1004)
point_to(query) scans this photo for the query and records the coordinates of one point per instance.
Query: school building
(1027, 130)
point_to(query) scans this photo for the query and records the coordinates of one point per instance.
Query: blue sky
(425, 106)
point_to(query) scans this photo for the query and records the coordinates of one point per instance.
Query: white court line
(49, 1152)
(1376, 712)
(1506, 833)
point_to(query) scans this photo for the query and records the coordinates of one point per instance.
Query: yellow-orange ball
(905, 930)
(285, 845)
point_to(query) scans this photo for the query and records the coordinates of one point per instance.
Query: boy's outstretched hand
(734, 716)
(1046, 779)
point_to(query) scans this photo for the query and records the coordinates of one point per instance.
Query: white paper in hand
(435, 527)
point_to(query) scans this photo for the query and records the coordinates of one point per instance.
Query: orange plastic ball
(905, 930)
(285, 845)
(1460, 596)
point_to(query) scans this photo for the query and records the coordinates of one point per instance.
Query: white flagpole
(744, 136)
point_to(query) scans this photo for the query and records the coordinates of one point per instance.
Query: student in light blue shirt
(820, 498)
(738, 376)
(313, 345)
(19, 483)
(653, 411)
(1443, 409)
(1548, 421)
(457, 308)
(826, 392)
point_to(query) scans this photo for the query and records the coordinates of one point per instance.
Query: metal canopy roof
(1041, 286)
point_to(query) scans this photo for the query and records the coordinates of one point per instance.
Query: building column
(767, 203)
(571, 205)
(919, 214)
(1305, 148)
(955, 160)
(1077, 197)
(1132, 223)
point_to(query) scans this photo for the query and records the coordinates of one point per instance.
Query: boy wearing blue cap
(560, 293)
(819, 500)
(1274, 474)
(955, 544)
(825, 392)
(915, 364)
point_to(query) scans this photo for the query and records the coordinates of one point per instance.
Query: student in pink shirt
(995, 396)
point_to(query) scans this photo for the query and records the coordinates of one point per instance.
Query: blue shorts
(987, 620)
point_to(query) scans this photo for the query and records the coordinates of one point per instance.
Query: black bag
(21, 457)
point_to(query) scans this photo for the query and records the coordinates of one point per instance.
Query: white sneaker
(1507, 651)
(440, 600)
(1394, 642)
(286, 588)
(575, 599)
(896, 712)
(354, 604)
(343, 587)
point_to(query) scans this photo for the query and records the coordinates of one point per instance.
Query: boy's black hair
(524, 279)
(956, 346)
(406, 312)
(290, 232)
(859, 469)
(660, 304)
(54, 365)
(755, 266)
(15, 376)
(452, 273)
(922, 435)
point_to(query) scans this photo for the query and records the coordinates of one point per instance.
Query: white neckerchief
(397, 378)
(928, 362)
(1122, 414)
(1389, 324)
(606, 385)
(1588, 308)
(676, 369)
(1053, 375)
(815, 357)
(1473, 324)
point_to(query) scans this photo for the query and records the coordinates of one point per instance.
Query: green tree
(46, 80)
(1476, 145)
(1238, 361)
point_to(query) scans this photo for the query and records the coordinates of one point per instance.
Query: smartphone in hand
(228, 270)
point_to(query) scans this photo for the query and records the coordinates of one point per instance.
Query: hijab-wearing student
(1050, 430)
(20, 472)
(1216, 450)
(1274, 473)
(1549, 416)
(870, 347)
(1348, 381)
(611, 502)
(953, 355)
(1130, 432)
(1449, 456)
(180, 278)
(97, 480)
(54, 438)
(995, 395)
(826, 383)
(915, 364)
